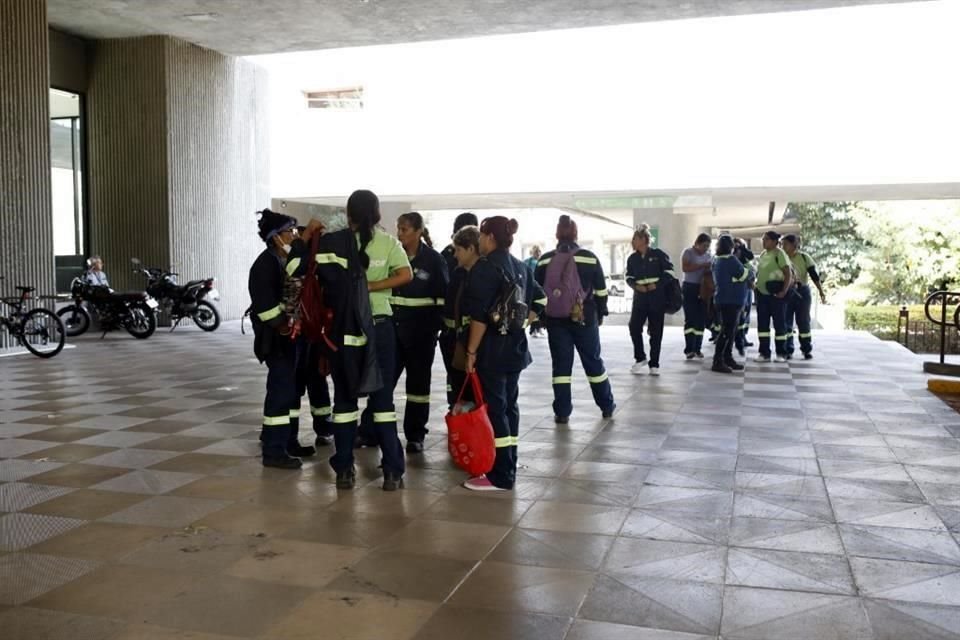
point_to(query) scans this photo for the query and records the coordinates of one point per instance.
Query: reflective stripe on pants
(501, 391)
(798, 311)
(694, 318)
(771, 309)
(416, 350)
(564, 339)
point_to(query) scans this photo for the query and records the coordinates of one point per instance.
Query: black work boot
(323, 427)
(720, 367)
(609, 412)
(733, 364)
(347, 479)
(391, 481)
(413, 446)
(274, 439)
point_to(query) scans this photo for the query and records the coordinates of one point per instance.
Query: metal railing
(947, 324)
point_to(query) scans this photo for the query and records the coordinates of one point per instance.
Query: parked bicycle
(39, 330)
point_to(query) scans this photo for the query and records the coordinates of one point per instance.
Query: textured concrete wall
(178, 161)
(127, 147)
(26, 233)
(218, 167)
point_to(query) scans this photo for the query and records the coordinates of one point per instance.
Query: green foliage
(913, 249)
(831, 236)
(879, 320)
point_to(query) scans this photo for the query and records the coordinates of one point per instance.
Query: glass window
(66, 180)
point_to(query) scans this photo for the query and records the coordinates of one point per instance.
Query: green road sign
(646, 202)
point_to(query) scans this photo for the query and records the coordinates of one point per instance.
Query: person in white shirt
(95, 274)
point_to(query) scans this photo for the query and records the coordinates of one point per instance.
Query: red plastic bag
(470, 434)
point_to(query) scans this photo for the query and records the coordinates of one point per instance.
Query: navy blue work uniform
(694, 308)
(418, 318)
(567, 335)
(271, 316)
(800, 305)
(771, 308)
(730, 277)
(650, 306)
(313, 382)
(456, 327)
(501, 358)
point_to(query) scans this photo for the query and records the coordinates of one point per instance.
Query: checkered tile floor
(813, 500)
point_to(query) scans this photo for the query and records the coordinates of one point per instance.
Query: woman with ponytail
(418, 319)
(358, 267)
(497, 350)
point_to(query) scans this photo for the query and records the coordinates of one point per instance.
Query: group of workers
(384, 304)
(719, 291)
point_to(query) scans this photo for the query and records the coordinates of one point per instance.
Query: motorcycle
(135, 311)
(192, 300)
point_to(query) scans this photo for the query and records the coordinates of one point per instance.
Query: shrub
(881, 321)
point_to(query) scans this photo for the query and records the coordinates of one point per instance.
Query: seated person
(95, 275)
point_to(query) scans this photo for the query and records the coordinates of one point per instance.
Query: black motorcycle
(192, 300)
(135, 312)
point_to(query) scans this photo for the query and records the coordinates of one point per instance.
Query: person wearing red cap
(573, 280)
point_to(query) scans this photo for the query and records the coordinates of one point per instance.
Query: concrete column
(26, 241)
(178, 161)
(675, 232)
(390, 212)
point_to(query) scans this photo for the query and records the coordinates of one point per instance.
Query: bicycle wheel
(42, 333)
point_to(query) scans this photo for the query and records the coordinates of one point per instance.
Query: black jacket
(500, 353)
(267, 312)
(418, 305)
(649, 269)
(591, 278)
(345, 291)
(450, 257)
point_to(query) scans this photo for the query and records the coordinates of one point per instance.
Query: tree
(832, 237)
(913, 249)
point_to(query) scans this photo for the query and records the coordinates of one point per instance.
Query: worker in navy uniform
(345, 259)
(575, 329)
(798, 306)
(465, 219)
(271, 313)
(647, 268)
(418, 318)
(499, 352)
(695, 262)
(745, 256)
(730, 276)
(774, 283)
(456, 323)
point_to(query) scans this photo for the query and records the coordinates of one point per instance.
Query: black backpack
(674, 297)
(510, 310)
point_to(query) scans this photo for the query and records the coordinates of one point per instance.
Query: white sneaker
(638, 368)
(654, 371)
(779, 358)
(762, 359)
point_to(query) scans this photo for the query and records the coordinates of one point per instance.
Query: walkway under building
(815, 500)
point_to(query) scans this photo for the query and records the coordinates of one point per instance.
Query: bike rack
(944, 298)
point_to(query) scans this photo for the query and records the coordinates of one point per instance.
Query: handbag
(469, 433)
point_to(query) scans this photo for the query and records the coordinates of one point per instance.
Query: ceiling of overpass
(692, 201)
(248, 27)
